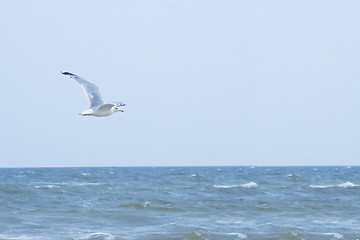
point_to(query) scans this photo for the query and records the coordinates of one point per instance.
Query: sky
(206, 82)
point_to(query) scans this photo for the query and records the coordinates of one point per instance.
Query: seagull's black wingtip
(67, 73)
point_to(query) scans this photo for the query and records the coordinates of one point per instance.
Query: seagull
(97, 107)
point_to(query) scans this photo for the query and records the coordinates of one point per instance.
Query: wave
(150, 205)
(202, 234)
(239, 235)
(86, 184)
(97, 236)
(20, 237)
(136, 205)
(13, 188)
(335, 235)
(343, 185)
(47, 186)
(75, 184)
(246, 185)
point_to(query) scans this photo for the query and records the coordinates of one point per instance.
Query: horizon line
(179, 166)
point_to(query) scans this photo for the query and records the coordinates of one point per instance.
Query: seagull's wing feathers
(105, 107)
(91, 90)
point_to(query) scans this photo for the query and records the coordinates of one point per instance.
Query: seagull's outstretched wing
(91, 90)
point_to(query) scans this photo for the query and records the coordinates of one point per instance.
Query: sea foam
(335, 235)
(97, 236)
(47, 186)
(246, 185)
(239, 235)
(343, 185)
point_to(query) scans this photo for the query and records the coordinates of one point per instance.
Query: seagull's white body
(103, 111)
(97, 107)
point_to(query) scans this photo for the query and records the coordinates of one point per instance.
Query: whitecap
(20, 237)
(319, 186)
(239, 235)
(343, 185)
(85, 174)
(97, 236)
(335, 235)
(348, 184)
(223, 186)
(250, 185)
(146, 204)
(85, 184)
(246, 185)
(47, 186)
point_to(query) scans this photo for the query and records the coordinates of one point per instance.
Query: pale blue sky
(206, 82)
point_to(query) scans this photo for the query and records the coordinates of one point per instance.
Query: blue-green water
(180, 203)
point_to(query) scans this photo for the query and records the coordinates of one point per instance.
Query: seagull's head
(116, 109)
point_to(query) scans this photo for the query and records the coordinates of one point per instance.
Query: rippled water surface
(180, 203)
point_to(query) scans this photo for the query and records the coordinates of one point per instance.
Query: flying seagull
(97, 107)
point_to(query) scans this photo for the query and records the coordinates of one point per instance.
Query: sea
(190, 203)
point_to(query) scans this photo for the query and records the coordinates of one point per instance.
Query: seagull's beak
(121, 110)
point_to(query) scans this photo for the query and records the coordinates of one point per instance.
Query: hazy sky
(206, 82)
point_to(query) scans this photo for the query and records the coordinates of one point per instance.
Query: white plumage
(97, 107)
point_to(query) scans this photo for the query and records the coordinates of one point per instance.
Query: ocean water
(224, 203)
